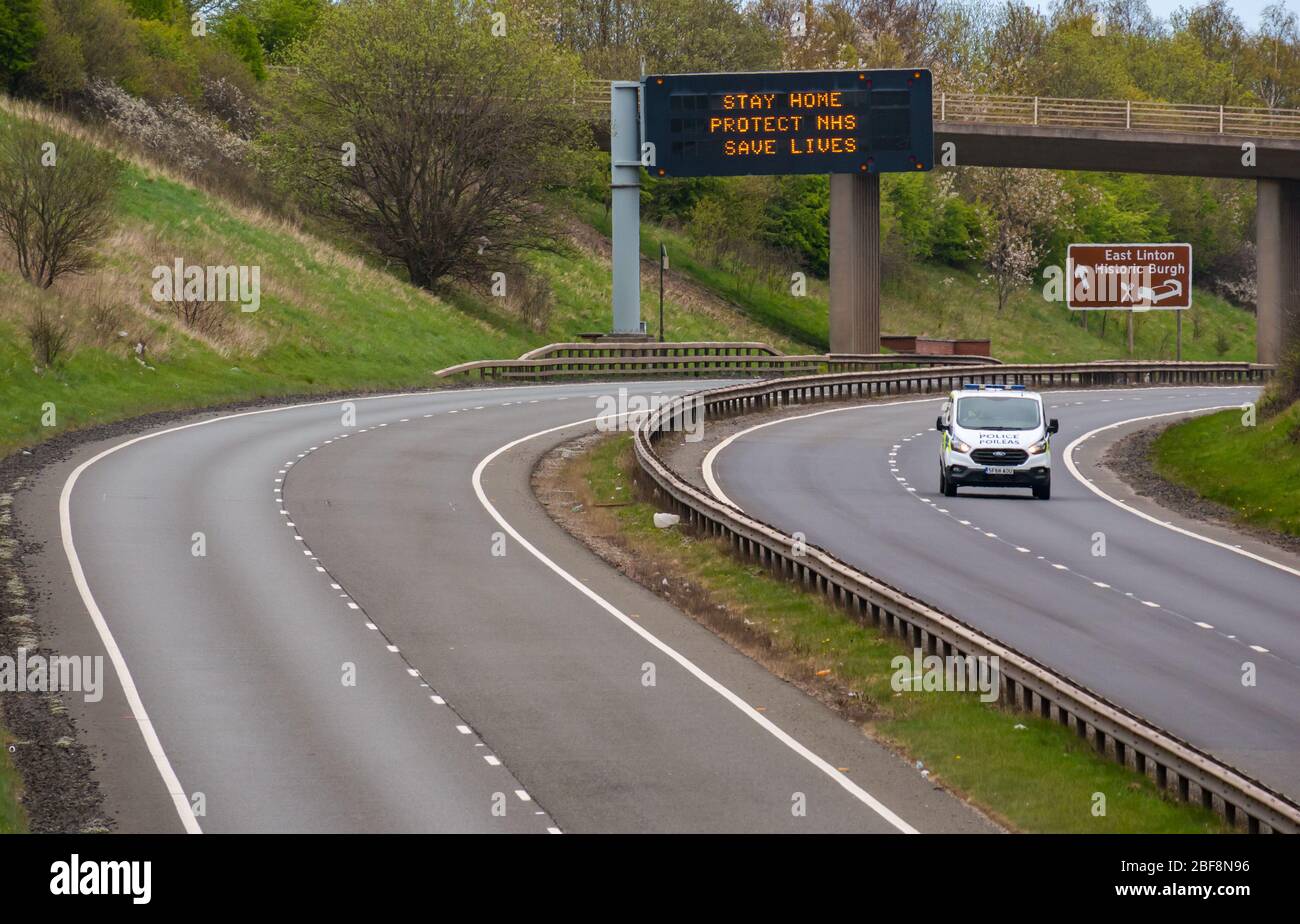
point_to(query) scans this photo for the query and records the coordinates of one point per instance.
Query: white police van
(995, 436)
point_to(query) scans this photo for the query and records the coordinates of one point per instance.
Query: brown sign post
(1129, 277)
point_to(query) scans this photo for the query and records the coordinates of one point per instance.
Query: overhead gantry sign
(786, 123)
(853, 125)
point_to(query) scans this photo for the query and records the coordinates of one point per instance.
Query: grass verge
(1031, 774)
(12, 818)
(1252, 470)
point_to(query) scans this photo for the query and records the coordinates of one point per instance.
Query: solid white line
(1068, 457)
(179, 798)
(766, 724)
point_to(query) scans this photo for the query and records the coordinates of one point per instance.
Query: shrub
(56, 197)
(49, 335)
(172, 129)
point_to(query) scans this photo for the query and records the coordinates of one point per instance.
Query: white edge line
(151, 740)
(1068, 457)
(853, 788)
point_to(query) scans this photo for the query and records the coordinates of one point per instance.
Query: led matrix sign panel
(869, 121)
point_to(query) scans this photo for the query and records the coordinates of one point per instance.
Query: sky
(1247, 10)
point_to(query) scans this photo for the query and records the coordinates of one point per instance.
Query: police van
(995, 436)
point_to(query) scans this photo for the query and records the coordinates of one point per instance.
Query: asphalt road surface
(1162, 623)
(350, 652)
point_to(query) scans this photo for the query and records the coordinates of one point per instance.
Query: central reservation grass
(1033, 774)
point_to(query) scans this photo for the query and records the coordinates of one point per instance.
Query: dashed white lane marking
(523, 796)
(1068, 456)
(438, 700)
(712, 482)
(553, 831)
(1260, 648)
(745, 708)
(463, 729)
(716, 489)
(393, 649)
(492, 761)
(1205, 625)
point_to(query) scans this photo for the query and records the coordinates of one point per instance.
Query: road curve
(1162, 622)
(531, 691)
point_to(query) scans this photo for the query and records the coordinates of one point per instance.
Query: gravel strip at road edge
(1129, 458)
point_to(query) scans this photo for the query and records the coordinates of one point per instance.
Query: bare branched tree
(427, 135)
(56, 198)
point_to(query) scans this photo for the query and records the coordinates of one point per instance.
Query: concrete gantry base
(855, 263)
(1277, 262)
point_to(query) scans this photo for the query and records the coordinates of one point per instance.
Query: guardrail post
(1128, 114)
(1035, 110)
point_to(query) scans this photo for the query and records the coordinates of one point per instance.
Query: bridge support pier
(855, 263)
(1277, 268)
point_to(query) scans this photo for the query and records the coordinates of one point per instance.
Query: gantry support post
(625, 203)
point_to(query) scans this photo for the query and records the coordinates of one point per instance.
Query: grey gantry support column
(1277, 268)
(625, 203)
(855, 263)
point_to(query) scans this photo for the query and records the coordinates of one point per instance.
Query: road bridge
(1129, 136)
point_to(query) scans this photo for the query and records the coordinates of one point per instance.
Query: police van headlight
(1038, 448)
(959, 446)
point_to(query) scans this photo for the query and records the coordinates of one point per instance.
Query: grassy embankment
(327, 321)
(1031, 773)
(1253, 470)
(939, 301)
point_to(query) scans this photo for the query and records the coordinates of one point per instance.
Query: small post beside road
(663, 265)
(1178, 350)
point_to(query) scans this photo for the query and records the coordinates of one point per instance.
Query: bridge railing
(1177, 767)
(1134, 115)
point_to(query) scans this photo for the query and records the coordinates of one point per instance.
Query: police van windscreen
(986, 412)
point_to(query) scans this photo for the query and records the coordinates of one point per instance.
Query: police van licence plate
(999, 470)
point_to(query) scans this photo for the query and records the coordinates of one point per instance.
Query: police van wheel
(947, 487)
(1043, 492)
